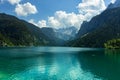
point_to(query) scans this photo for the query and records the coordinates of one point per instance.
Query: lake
(59, 63)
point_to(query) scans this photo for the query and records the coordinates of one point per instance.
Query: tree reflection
(113, 54)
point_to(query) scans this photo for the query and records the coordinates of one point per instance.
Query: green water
(59, 63)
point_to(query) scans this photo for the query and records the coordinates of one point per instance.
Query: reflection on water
(58, 64)
(101, 64)
(113, 55)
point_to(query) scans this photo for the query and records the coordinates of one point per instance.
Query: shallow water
(59, 63)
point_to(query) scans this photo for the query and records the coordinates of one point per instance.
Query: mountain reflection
(59, 64)
(101, 63)
(46, 66)
(114, 55)
(55, 67)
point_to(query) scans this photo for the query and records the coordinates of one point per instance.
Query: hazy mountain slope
(66, 33)
(99, 20)
(52, 35)
(99, 30)
(16, 32)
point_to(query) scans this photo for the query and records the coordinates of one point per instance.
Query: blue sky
(45, 7)
(46, 12)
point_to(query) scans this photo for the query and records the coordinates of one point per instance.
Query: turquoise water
(59, 63)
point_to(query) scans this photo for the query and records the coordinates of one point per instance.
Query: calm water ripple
(59, 63)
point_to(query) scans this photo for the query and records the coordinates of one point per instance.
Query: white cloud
(61, 19)
(87, 9)
(64, 19)
(14, 1)
(25, 9)
(113, 1)
(40, 24)
(90, 8)
(33, 22)
(53, 22)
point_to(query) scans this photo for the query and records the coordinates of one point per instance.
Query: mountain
(99, 30)
(114, 5)
(66, 33)
(16, 32)
(49, 32)
(52, 35)
(97, 21)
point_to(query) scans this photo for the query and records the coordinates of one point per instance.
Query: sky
(54, 13)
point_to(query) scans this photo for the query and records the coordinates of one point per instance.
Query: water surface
(59, 63)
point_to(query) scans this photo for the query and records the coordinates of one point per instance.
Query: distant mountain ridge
(98, 20)
(52, 35)
(16, 32)
(66, 33)
(99, 30)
